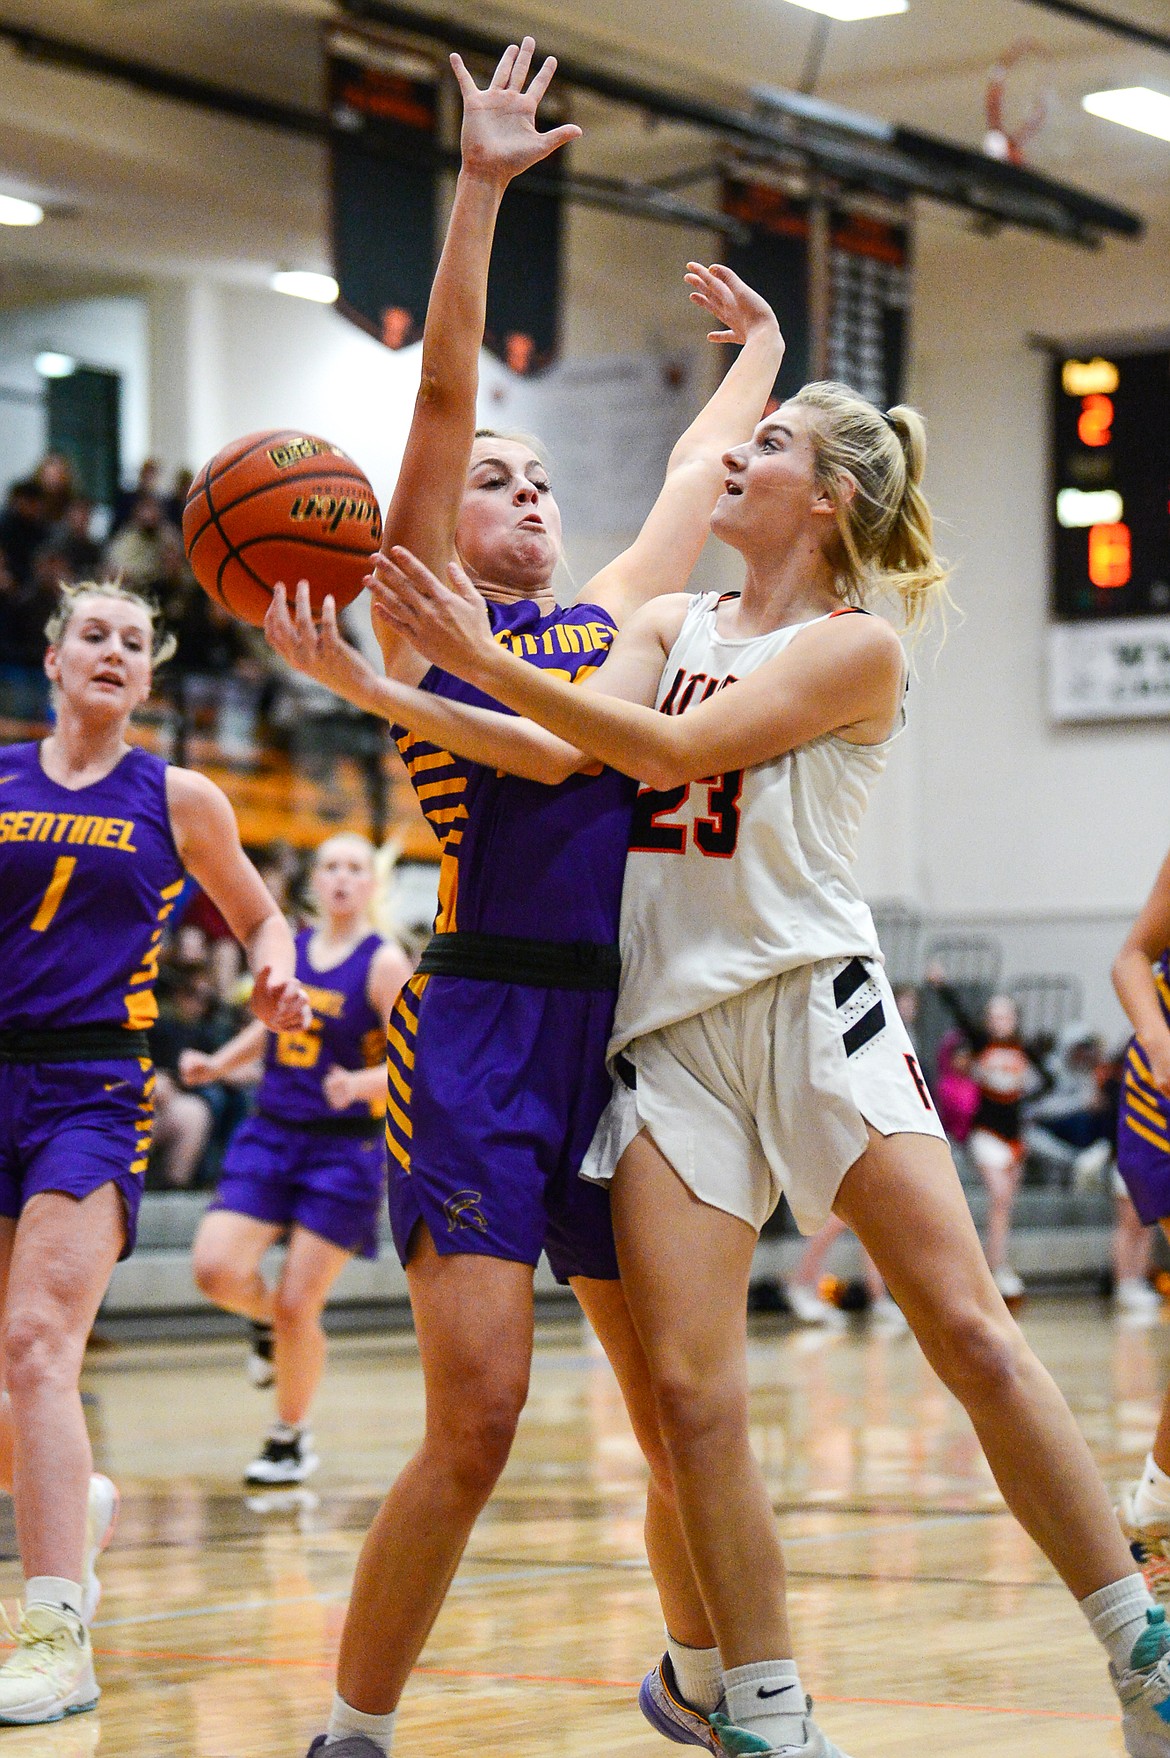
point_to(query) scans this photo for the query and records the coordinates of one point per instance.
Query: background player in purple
(95, 835)
(496, 1048)
(1141, 976)
(310, 1165)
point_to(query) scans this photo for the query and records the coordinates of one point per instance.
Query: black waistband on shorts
(355, 1128)
(82, 1043)
(536, 964)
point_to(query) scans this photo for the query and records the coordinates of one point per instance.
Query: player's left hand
(284, 1006)
(320, 651)
(338, 1088)
(732, 303)
(447, 624)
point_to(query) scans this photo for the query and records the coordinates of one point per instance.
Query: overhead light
(50, 364)
(847, 11)
(1077, 508)
(15, 212)
(1134, 106)
(304, 284)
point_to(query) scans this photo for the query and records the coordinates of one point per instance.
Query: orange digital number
(1095, 421)
(1109, 555)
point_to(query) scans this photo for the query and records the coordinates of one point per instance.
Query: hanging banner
(384, 103)
(524, 286)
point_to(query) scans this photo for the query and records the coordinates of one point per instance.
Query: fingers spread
(503, 71)
(522, 63)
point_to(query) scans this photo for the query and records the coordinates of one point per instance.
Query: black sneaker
(259, 1365)
(286, 1457)
(353, 1746)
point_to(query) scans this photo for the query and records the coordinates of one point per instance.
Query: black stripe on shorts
(849, 981)
(867, 1027)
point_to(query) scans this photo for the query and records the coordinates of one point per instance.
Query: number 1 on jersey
(54, 892)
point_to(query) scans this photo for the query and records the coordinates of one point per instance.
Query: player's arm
(208, 840)
(198, 1067)
(482, 735)
(845, 675)
(389, 970)
(1134, 981)
(499, 140)
(663, 555)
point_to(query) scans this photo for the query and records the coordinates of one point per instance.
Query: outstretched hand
(447, 624)
(283, 1007)
(500, 137)
(320, 651)
(739, 308)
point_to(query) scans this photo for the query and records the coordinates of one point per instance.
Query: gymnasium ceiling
(138, 185)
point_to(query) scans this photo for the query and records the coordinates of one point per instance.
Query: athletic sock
(1117, 1617)
(344, 1721)
(699, 1672)
(767, 1699)
(56, 1591)
(1151, 1499)
(284, 1432)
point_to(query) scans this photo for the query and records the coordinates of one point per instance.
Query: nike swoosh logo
(109, 1085)
(778, 1692)
(4, 778)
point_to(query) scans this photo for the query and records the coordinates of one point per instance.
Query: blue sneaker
(669, 1713)
(739, 1742)
(1144, 1690)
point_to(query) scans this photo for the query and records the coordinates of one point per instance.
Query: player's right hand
(195, 1068)
(732, 303)
(500, 137)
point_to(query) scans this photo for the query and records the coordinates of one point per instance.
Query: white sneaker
(284, 1458)
(1144, 1691)
(1149, 1543)
(1009, 1283)
(101, 1516)
(810, 1309)
(740, 1743)
(1134, 1294)
(51, 1673)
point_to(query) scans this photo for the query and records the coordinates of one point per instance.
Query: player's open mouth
(108, 677)
(731, 486)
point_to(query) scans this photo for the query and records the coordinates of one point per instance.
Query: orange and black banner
(384, 107)
(524, 288)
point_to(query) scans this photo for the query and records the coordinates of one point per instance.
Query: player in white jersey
(757, 1044)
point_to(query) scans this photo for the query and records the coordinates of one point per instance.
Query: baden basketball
(277, 506)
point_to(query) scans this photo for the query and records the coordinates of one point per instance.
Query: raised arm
(499, 140)
(663, 555)
(198, 1067)
(1136, 985)
(845, 674)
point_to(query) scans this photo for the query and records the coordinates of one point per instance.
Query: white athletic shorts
(769, 1093)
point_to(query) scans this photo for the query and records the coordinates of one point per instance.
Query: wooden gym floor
(926, 1622)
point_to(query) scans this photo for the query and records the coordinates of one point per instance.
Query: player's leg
(999, 1168)
(225, 1262)
(7, 1432)
(1144, 1506)
(311, 1266)
(904, 1201)
(473, 1317)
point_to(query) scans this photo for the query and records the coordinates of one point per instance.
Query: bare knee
(695, 1405)
(293, 1308)
(980, 1356)
(216, 1277)
(39, 1353)
(473, 1437)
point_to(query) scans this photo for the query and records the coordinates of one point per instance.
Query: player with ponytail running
(757, 1047)
(96, 836)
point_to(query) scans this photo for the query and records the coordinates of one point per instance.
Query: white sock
(699, 1672)
(1152, 1497)
(767, 1698)
(1117, 1617)
(343, 1720)
(286, 1431)
(53, 1590)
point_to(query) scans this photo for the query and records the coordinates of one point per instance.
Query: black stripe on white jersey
(859, 1004)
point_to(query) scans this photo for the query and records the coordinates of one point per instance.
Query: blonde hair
(162, 642)
(380, 912)
(885, 533)
(516, 438)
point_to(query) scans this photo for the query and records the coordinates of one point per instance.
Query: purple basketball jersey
(520, 858)
(1143, 1122)
(345, 1032)
(88, 876)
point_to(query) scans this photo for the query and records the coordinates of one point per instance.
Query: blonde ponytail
(871, 466)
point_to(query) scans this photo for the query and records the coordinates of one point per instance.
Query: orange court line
(452, 1672)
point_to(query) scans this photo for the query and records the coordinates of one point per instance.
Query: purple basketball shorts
(291, 1176)
(1143, 1140)
(72, 1127)
(492, 1106)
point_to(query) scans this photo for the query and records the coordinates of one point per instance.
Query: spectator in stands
(55, 479)
(956, 1093)
(177, 499)
(149, 482)
(73, 540)
(148, 551)
(1069, 1126)
(191, 1017)
(24, 688)
(23, 528)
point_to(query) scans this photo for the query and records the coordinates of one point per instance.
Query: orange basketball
(280, 506)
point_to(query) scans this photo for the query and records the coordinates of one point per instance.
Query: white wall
(108, 333)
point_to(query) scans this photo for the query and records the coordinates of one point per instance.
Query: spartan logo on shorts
(859, 1004)
(463, 1210)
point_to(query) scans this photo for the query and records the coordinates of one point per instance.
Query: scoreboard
(1109, 646)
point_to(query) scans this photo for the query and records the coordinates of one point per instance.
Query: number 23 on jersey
(716, 831)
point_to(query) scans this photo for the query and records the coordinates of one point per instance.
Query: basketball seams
(267, 488)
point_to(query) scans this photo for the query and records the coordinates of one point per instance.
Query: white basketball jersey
(739, 877)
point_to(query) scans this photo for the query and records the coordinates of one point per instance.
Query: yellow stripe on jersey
(395, 1037)
(397, 1080)
(1147, 1111)
(430, 760)
(400, 1117)
(396, 1148)
(1147, 1134)
(454, 784)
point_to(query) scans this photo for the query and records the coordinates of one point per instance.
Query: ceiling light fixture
(16, 212)
(1133, 106)
(305, 284)
(50, 364)
(849, 11)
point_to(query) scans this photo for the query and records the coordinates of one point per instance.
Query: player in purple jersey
(496, 1052)
(1141, 976)
(95, 838)
(310, 1165)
